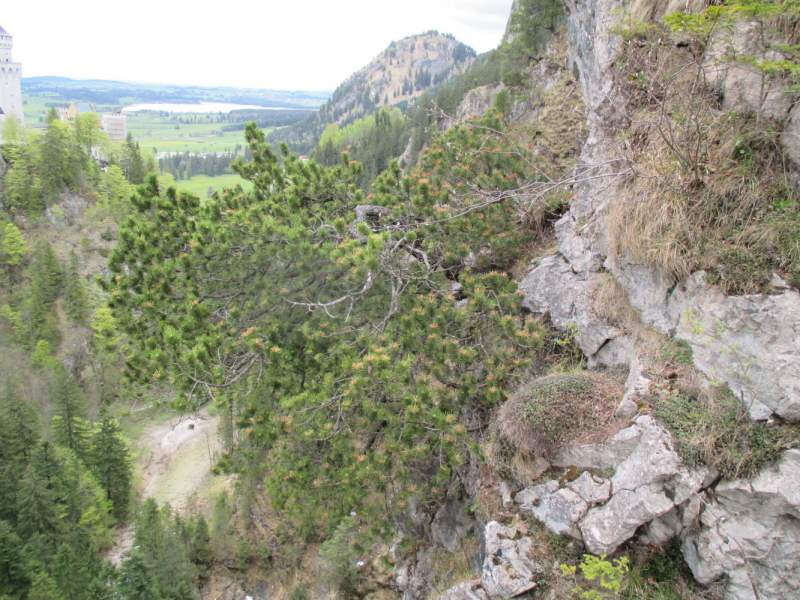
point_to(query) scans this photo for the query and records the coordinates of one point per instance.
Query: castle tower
(10, 77)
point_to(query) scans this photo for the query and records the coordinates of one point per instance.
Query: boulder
(607, 527)
(652, 461)
(637, 386)
(530, 497)
(553, 288)
(467, 590)
(560, 511)
(508, 569)
(606, 456)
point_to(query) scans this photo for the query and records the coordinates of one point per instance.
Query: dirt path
(174, 460)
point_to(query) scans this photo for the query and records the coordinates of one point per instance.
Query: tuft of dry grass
(709, 188)
(550, 412)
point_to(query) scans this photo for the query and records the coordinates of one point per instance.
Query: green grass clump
(718, 432)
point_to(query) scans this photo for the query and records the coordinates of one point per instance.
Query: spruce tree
(19, 435)
(69, 425)
(14, 245)
(44, 588)
(14, 581)
(37, 512)
(110, 462)
(45, 285)
(76, 299)
(55, 167)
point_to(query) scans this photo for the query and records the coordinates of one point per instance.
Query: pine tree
(110, 462)
(344, 307)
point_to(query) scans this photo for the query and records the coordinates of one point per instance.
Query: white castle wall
(10, 77)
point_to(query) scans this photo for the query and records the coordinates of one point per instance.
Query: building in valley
(115, 125)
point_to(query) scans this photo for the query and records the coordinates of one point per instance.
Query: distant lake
(202, 107)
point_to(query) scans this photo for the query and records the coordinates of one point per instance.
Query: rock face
(553, 288)
(451, 523)
(750, 531)
(750, 342)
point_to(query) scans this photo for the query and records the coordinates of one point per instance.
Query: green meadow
(199, 184)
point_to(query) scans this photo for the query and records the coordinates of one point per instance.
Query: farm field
(198, 133)
(199, 184)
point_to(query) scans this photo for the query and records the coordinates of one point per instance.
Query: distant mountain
(396, 77)
(119, 93)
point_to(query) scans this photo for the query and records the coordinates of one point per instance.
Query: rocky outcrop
(509, 568)
(750, 531)
(649, 482)
(553, 288)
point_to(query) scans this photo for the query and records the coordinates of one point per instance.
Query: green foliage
(54, 166)
(201, 544)
(611, 575)
(772, 60)
(42, 355)
(55, 517)
(45, 285)
(44, 588)
(69, 427)
(222, 542)
(105, 328)
(110, 462)
(341, 353)
(14, 245)
(158, 568)
(718, 432)
(14, 580)
(76, 292)
(300, 593)
(534, 23)
(339, 556)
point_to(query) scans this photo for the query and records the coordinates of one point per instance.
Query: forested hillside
(396, 77)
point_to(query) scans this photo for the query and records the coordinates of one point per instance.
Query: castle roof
(3, 31)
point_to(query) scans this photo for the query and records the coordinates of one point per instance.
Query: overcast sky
(288, 45)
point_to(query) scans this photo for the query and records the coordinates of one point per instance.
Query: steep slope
(396, 77)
